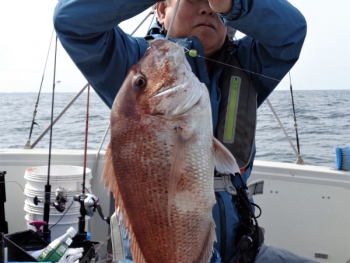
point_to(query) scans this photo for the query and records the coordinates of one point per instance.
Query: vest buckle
(223, 183)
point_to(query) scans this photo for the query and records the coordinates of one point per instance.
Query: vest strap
(223, 183)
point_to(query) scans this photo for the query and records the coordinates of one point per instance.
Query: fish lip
(170, 89)
(175, 111)
(179, 113)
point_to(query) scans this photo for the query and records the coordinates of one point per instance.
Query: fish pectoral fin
(223, 160)
(178, 164)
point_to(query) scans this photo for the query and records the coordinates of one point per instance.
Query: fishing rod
(27, 145)
(47, 203)
(81, 198)
(300, 160)
(61, 195)
(172, 20)
(86, 138)
(89, 203)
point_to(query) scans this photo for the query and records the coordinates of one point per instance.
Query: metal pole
(150, 13)
(300, 160)
(3, 222)
(56, 119)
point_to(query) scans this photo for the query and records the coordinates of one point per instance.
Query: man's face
(194, 18)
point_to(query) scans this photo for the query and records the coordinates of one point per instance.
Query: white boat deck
(305, 209)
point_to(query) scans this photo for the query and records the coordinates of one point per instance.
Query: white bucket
(68, 177)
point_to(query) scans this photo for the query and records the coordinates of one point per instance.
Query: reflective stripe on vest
(231, 113)
(237, 112)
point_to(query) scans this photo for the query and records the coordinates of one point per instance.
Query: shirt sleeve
(88, 30)
(275, 32)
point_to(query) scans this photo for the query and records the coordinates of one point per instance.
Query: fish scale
(160, 161)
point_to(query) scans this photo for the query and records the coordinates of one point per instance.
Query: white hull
(305, 209)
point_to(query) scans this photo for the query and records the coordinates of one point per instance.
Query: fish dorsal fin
(223, 160)
(178, 165)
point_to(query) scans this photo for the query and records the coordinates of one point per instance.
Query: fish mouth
(180, 65)
(179, 106)
(171, 89)
(179, 93)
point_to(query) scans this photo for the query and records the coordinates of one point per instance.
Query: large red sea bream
(161, 158)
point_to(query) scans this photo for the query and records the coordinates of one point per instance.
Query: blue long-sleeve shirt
(88, 30)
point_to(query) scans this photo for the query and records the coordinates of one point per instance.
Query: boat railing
(299, 160)
(28, 145)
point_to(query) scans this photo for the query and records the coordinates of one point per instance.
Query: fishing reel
(90, 203)
(60, 201)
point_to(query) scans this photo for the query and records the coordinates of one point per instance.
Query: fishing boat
(305, 208)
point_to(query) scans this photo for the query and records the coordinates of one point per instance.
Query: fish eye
(139, 82)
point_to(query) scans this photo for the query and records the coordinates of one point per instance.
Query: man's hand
(221, 6)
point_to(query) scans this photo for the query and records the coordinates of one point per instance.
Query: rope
(228, 65)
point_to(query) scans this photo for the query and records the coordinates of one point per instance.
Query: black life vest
(238, 108)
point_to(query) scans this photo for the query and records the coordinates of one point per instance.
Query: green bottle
(56, 249)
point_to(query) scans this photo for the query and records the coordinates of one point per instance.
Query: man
(88, 30)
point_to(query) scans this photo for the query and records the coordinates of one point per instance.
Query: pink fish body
(161, 158)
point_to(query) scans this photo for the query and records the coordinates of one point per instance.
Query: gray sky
(26, 28)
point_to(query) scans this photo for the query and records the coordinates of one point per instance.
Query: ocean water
(323, 121)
